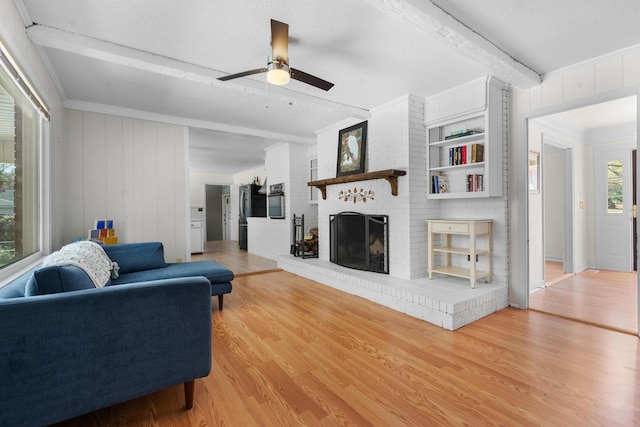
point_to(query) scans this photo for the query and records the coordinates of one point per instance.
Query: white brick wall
(395, 140)
(495, 208)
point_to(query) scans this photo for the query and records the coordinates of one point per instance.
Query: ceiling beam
(54, 38)
(182, 121)
(441, 26)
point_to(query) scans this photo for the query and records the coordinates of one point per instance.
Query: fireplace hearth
(360, 241)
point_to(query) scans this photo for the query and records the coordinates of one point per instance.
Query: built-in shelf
(391, 175)
(467, 166)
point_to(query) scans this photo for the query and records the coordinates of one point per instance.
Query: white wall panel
(127, 166)
(631, 68)
(608, 75)
(552, 90)
(579, 83)
(131, 171)
(148, 179)
(166, 190)
(70, 180)
(94, 168)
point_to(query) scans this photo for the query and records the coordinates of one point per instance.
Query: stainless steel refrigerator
(252, 204)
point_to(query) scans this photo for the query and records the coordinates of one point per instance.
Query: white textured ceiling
(163, 57)
(548, 35)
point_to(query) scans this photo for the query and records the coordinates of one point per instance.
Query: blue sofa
(68, 348)
(145, 261)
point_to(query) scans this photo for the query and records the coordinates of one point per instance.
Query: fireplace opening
(360, 241)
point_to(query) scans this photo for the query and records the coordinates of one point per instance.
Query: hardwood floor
(604, 298)
(229, 254)
(288, 351)
(554, 272)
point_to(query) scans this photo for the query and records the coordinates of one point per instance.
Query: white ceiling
(162, 58)
(612, 113)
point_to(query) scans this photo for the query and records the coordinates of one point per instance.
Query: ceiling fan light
(278, 77)
(278, 73)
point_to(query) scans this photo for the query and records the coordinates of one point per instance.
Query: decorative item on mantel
(352, 149)
(391, 175)
(356, 196)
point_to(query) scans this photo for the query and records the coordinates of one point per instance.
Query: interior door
(613, 208)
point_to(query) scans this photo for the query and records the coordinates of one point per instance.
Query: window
(20, 135)
(614, 186)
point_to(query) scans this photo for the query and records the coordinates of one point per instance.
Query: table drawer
(449, 227)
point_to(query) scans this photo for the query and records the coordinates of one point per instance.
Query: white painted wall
(608, 77)
(286, 163)
(247, 176)
(553, 191)
(197, 182)
(132, 171)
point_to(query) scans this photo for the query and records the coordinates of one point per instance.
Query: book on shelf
(477, 153)
(461, 133)
(439, 184)
(475, 183)
(443, 184)
(466, 154)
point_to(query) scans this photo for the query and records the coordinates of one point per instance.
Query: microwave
(275, 201)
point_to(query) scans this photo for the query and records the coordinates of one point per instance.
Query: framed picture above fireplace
(352, 148)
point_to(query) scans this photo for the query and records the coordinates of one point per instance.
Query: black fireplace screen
(360, 241)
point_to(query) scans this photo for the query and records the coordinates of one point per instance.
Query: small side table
(467, 227)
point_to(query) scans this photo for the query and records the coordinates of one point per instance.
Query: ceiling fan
(278, 70)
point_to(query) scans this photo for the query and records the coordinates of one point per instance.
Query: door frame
(634, 207)
(519, 192)
(568, 199)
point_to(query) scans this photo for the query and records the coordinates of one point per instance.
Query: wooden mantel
(391, 175)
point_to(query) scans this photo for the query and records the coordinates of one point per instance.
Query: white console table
(467, 227)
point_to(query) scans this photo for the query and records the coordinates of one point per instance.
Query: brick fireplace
(397, 142)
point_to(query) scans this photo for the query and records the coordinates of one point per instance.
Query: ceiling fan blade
(279, 40)
(243, 74)
(310, 80)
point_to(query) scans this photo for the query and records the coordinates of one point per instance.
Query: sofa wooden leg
(188, 393)
(220, 298)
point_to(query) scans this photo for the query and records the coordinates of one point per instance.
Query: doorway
(575, 171)
(216, 209)
(558, 215)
